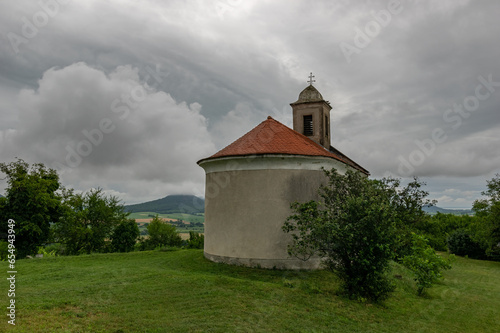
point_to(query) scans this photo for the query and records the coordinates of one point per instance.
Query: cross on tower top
(311, 76)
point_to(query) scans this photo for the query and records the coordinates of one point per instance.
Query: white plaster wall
(247, 200)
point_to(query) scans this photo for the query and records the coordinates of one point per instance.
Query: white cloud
(110, 130)
(242, 61)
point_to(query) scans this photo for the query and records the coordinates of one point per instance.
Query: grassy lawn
(180, 291)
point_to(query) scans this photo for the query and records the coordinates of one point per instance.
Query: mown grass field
(180, 291)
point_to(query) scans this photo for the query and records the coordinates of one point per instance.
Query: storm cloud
(128, 95)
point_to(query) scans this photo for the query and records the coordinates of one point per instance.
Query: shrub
(354, 232)
(125, 236)
(56, 248)
(488, 211)
(160, 234)
(425, 263)
(32, 201)
(46, 253)
(196, 240)
(461, 243)
(4, 250)
(88, 221)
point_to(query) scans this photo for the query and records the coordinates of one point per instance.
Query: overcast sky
(128, 95)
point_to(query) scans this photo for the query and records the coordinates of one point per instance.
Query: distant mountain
(434, 209)
(191, 204)
(188, 204)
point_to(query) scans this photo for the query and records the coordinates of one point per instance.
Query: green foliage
(437, 228)
(461, 243)
(31, 201)
(354, 232)
(160, 234)
(57, 248)
(488, 213)
(46, 252)
(4, 250)
(196, 240)
(407, 203)
(359, 226)
(88, 221)
(125, 236)
(425, 263)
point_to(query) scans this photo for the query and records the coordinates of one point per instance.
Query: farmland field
(145, 217)
(175, 216)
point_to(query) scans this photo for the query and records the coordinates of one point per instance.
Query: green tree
(461, 242)
(488, 212)
(88, 221)
(353, 229)
(407, 203)
(358, 227)
(438, 228)
(161, 234)
(31, 201)
(196, 240)
(125, 236)
(425, 263)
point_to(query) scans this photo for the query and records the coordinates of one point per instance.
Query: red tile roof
(272, 137)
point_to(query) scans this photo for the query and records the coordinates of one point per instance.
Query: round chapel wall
(248, 199)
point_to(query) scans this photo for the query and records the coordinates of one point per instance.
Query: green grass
(180, 291)
(180, 216)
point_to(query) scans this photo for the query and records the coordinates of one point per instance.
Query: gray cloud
(221, 67)
(109, 128)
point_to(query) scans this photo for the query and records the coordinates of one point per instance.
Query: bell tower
(311, 115)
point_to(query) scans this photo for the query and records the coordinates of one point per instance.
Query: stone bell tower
(311, 115)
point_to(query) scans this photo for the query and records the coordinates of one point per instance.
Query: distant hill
(188, 204)
(434, 209)
(191, 204)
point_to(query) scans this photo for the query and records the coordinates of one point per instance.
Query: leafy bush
(4, 250)
(160, 234)
(57, 248)
(425, 263)
(125, 236)
(359, 226)
(46, 253)
(437, 228)
(354, 233)
(196, 240)
(461, 243)
(488, 212)
(88, 221)
(31, 201)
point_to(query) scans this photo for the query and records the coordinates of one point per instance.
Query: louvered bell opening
(308, 125)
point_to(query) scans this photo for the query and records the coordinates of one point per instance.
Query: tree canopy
(88, 221)
(32, 202)
(488, 211)
(358, 227)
